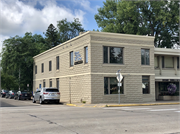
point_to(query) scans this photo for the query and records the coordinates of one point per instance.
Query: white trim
(109, 44)
(166, 77)
(114, 74)
(166, 51)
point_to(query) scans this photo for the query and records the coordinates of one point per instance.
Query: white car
(46, 94)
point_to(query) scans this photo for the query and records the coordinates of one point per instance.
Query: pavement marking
(177, 111)
(127, 108)
(162, 110)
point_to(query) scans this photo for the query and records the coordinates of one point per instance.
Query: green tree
(17, 58)
(8, 82)
(68, 30)
(152, 18)
(52, 38)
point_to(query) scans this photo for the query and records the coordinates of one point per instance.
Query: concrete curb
(71, 105)
(122, 105)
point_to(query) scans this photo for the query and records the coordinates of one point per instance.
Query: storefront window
(163, 87)
(106, 85)
(145, 84)
(110, 86)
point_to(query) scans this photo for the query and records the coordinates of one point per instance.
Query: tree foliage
(17, 60)
(68, 30)
(152, 18)
(52, 37)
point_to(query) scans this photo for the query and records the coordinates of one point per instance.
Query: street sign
(119, 84)
(119, 77)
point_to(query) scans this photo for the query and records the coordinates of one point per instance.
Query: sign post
(119, 78)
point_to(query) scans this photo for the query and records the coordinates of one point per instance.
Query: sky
(20, 16)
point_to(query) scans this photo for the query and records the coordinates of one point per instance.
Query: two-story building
(84, 68)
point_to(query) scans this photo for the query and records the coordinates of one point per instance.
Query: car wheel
(40, 101)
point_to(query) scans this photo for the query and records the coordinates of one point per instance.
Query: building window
(50, 83)
(162, 61)
(113, 55)
(105, 52)
(35, 69)
(177, 62)
(44, 83)
(57, 83)
(42, 67)
(50, 65)
(145, 85)
(71, 59)
(110, 85)
(156, 62)
(86, 54)
(167, 62)
(57, 63)
(144, 56)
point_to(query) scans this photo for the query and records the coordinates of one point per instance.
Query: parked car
(23, 95)
(3, 93)
(10, 94)
(46, 95)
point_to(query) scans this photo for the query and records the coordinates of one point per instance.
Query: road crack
(50, 122)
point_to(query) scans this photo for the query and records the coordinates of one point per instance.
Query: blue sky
(20, 16)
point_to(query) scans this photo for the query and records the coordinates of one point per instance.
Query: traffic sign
(119, 77)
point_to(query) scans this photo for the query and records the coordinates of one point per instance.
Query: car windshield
(52, 90)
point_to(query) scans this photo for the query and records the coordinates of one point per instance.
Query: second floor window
(113, 55)
(86, 54)
(35, 69)
(71, 59)
(50, 65)
(57, 63)
(42, 67)
(144, 56)
(177, 62)
(167, 62)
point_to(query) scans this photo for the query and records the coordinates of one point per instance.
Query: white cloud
(18, 17)
(86, 5)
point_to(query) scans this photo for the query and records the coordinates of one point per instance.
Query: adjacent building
(84, 68)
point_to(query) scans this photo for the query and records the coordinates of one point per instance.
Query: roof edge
(83, 34)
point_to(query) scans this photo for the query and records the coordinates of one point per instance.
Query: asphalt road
(28, 118)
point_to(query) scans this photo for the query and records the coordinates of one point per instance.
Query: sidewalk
(124, 104)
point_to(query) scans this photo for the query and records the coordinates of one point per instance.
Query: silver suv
(46, 95)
